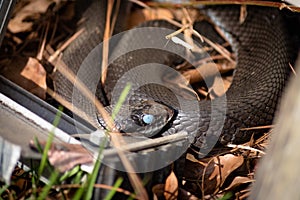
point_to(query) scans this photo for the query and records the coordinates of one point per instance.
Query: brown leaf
(27, 73)
(158, 191)
(32, 10)
(64, 156)
(209, 174)
(141, 15)
(224, 166)
(237, 181)
(171, 187)
(35, 72)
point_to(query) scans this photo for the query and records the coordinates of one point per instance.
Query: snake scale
(263, 51)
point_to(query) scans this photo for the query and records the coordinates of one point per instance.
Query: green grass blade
(121, 100)
(114, 189)
(78, 177)
(3, 189)
(226, 196)
(70, 173)
(49, 142)
(88, 186)
(79, 193)
(53, 178)
(93, 177)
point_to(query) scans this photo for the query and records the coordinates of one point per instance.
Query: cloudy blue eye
(148, 119)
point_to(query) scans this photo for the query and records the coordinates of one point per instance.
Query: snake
(263, 52)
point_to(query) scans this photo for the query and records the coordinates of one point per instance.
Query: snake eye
(148, 119)
(141, 118)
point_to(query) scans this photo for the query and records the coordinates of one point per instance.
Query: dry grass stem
(70, 106)
(245, 148)
(107, 34)
(243, 13)
(64, 46)
(180, 26)
(198, 3)
(203, 92)
(107, 187)
(214, 58)
(220, 49)
(115, 16)
(217, 47)
(264, 137)
(134, 179)
(115, 136)
(136, 182)
(55, 25)
(257, 128)
(42, 48)
(195, 76)
(180, 136)
(62, 68)
(293, 70)
(187, 16)
(140, 3)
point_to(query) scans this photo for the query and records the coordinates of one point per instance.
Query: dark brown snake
(263, 51)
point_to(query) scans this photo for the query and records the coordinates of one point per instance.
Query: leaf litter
(207, 178)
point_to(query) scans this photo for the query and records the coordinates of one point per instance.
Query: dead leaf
(237, 181)
(65, 156)
(171, 187)
(243, 194)
(27, 73)
(35, 72)
(158, 191)
(210, 173)
(225, 165)
(141, 15)
(33, 9)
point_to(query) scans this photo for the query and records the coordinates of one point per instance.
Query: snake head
(147, 118)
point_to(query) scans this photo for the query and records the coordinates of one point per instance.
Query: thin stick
(257, 128)
(245, 147)
(217, 47)
(115, 136)
(227, 2)
(293, 70)
(40, 53)
(140, 3)
(114, 20)
(64, 46)
(134, 179)
(180, 136)
(182, 28)
(61, 67)
(106, 36)
(220, 49)
(98, 185)
(70, 106)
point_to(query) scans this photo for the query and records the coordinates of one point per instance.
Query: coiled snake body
(261, 44)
